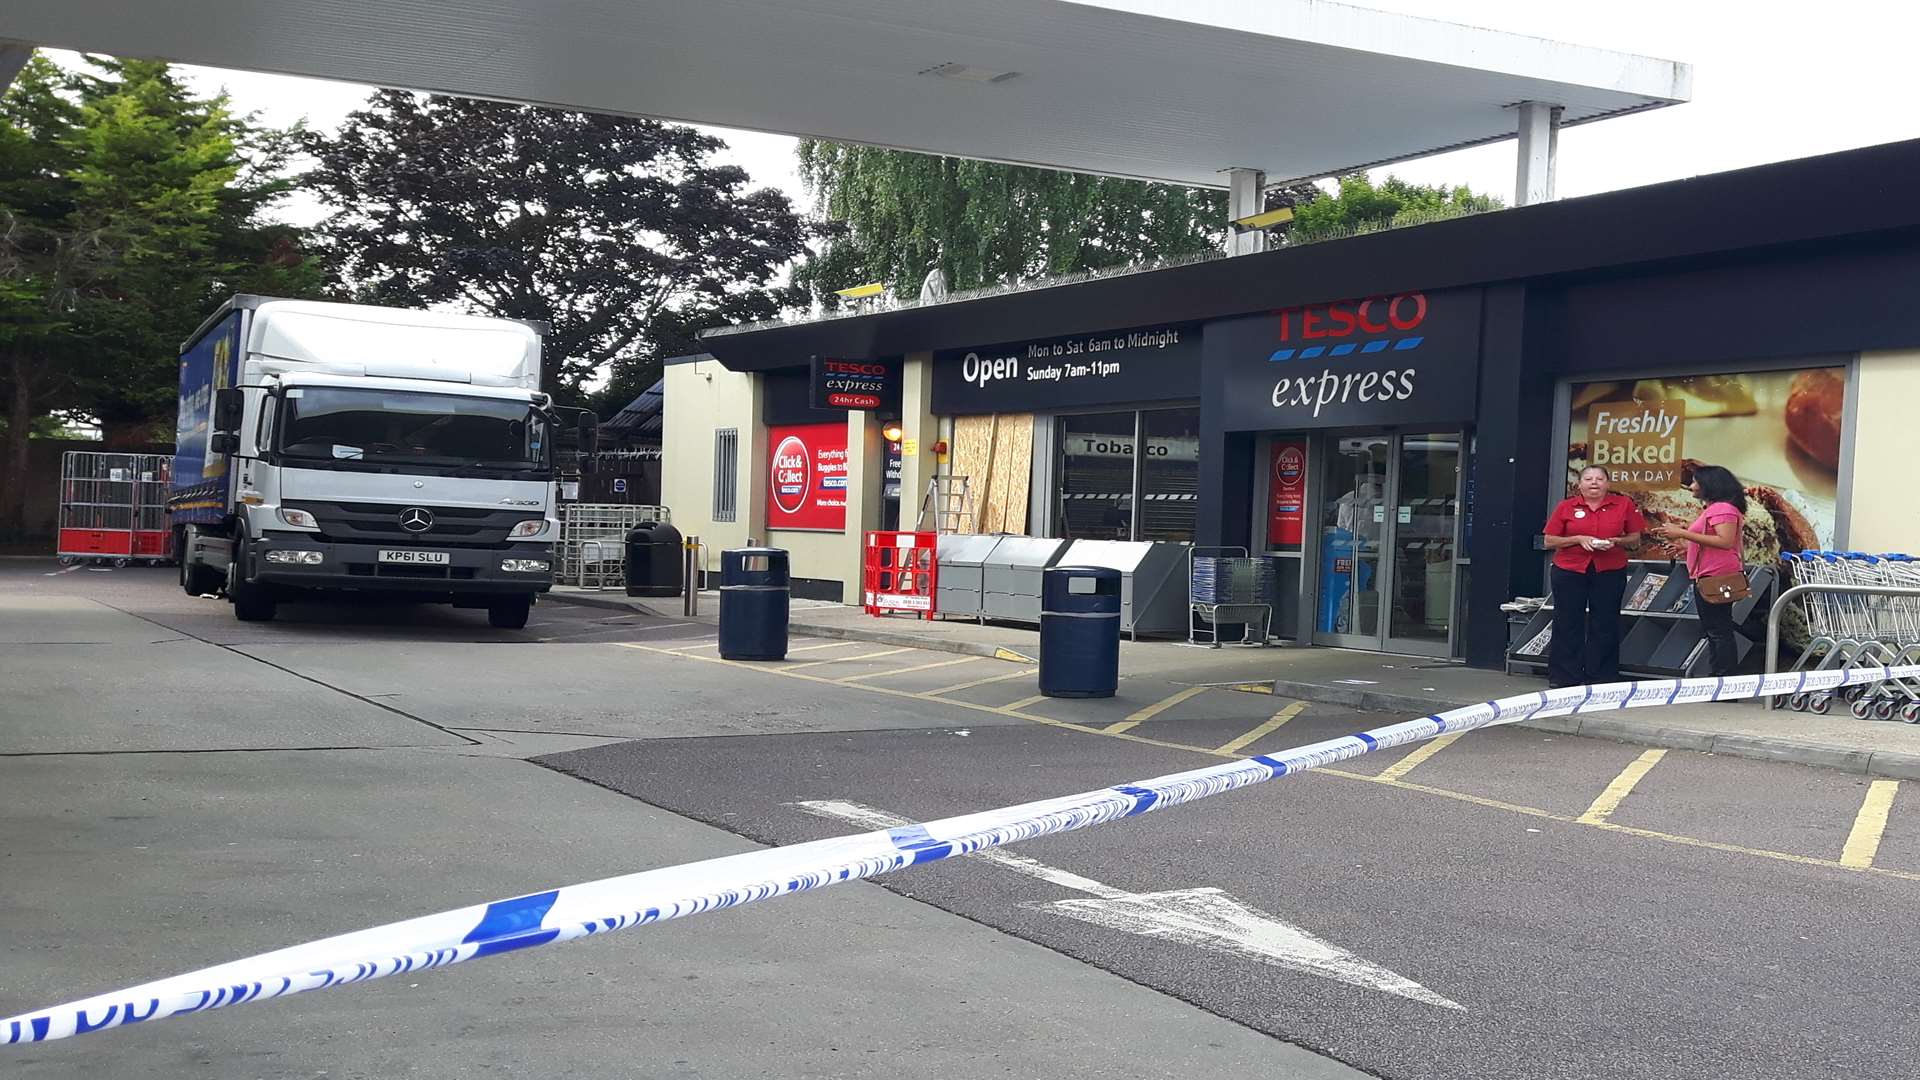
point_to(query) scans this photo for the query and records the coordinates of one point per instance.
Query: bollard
(1080, 631)
(754, 594)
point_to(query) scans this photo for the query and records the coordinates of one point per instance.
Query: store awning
(1176, 90)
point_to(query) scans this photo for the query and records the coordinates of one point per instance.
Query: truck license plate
(430, 558)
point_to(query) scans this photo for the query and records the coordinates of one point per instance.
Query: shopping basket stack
(1852, 630)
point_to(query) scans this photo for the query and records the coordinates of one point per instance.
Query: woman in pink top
(1713, 549)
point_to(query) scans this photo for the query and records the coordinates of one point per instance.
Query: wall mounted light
(892, 431)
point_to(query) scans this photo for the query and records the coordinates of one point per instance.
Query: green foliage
(128, 209)
(618, 233)
(1361, 206)
(892, 216)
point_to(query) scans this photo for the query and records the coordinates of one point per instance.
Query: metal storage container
(962, 578)
(1010, 577)
(1153, 582)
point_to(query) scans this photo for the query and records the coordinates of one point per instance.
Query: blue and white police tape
(599, 907)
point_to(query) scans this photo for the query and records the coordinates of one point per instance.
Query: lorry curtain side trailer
(346, 448)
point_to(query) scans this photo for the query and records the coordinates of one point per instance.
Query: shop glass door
(1353, 514)
(1426, 480)
(1388, 533)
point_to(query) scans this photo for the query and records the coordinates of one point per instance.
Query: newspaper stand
(902, 572)
(113, 508)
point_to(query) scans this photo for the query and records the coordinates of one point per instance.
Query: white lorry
(345, 448)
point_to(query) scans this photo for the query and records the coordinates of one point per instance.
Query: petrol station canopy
(1174, 90)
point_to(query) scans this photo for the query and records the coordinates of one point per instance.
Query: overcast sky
(1772, 81)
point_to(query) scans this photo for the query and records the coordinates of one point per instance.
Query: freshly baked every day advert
(1778, 431)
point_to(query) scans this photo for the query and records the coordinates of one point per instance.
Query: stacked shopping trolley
(113, 508)
(1226, 587)
(1864, 627)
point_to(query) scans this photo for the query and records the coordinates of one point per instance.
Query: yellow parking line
(916, 667)
(1263, 730)
(1864, 842)
(828, 645)
(846, 659)
(1609, 800)
(982, 682)
(1154, 710)
(1407, 764)
(1442, 793)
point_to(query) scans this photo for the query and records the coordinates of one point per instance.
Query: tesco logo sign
(1371, 317)
(791, 474)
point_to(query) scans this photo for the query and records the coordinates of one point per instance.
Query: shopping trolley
(1862, 610)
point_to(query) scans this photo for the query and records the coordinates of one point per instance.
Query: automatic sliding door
(1421, 543)
(1352, 531)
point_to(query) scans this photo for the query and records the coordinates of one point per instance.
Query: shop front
(1090, 437)
(1361, 416)
(1398, 450)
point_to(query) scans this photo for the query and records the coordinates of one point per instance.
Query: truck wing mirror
(588, 427)
(229, 407)
(224, 442)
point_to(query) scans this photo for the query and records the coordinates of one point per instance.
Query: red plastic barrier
(902, 572)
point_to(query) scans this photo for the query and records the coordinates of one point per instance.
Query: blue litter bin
(754, 588)
(1079, 631)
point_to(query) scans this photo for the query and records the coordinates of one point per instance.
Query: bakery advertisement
(1778, 431)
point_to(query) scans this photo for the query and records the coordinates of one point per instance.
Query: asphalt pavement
(1513, 903)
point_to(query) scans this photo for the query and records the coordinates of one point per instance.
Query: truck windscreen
(385, 429)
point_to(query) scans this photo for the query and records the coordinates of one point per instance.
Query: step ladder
(948, 504)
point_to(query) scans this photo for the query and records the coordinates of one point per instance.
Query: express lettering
(980, 372)
(1372, 316)
(1316, 392)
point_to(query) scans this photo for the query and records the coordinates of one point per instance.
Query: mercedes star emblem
(414, 519)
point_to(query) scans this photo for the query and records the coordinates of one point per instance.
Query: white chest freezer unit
(1010, 577)
(1153, 581)
(963, 573)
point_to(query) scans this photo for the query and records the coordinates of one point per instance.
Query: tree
(618, 233)
(893, 216)
(1362, 206)
(179, 189)
(127, 208)
(42, 260)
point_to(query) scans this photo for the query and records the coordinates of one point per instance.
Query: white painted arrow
(1204, 918)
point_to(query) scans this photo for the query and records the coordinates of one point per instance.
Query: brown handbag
(1723, 588)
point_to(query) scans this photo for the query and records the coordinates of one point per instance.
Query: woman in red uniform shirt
(1589, 535)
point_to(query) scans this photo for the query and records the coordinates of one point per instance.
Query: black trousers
(1586, 627)
(1717, 620)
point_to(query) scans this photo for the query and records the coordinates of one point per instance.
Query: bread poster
(1778, 431)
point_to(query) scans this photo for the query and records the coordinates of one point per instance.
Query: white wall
(701, 398)
(1882, 514)
(704, 397)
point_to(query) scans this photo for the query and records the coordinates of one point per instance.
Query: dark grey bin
(754, 587)
(1080, 631)
(655, 560)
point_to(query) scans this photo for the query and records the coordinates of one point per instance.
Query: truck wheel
(510, 614)
(252, 602)
(196, 579)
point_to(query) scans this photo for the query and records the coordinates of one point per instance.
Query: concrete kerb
(1885, 763)
(875, 635)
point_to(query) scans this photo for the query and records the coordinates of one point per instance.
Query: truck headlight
(299, 519)
(524, 566)
(298, 558)
(530, 527)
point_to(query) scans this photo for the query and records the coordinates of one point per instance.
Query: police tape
(601, 907)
